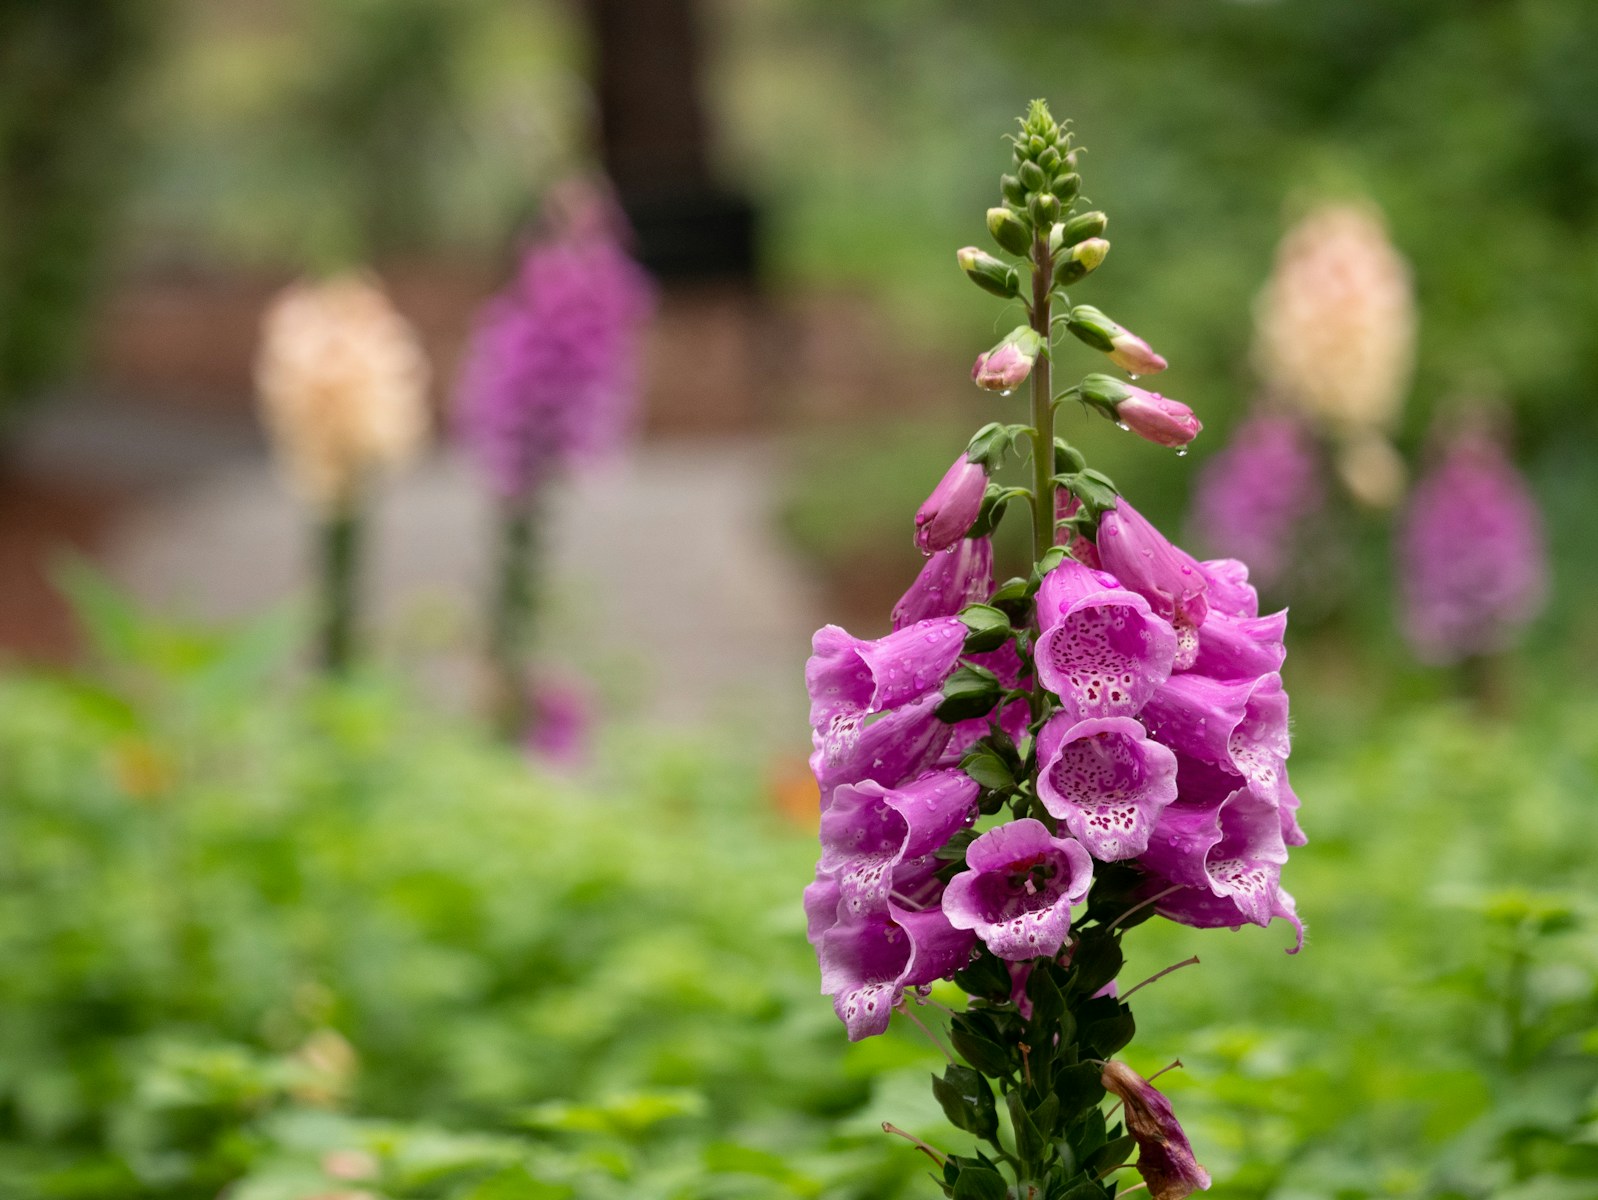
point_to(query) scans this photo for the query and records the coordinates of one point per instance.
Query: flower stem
(1042, 403)
(512, 616)
(340, 555)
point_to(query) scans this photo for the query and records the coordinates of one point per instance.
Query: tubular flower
(342, 381)
(873, 836)
(849, 679)
(1473, 563)
(1335, 324)
(1102, 651)
(1017, 894)
(1106, 780)
(551, 373)
(950, 580)
(1157, 419)
(1141, 557)
(952, 507)
(1252, 498)
(1165, 1158)
(867, 962)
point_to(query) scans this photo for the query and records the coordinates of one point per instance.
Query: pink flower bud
(1152, 416)
(1005, 367)
(952, 508)
(1165, 1157)
(1133, 355)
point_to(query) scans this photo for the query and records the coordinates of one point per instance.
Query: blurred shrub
(323, 942)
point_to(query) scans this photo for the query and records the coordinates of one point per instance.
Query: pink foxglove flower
(1252, 498)
(1472, 557)
(950, 580)
(1170, 579)
(1006, 367)
(1165, 1157)
(952, 507)
(551, 373)
(1017, 894)
(1158, 419)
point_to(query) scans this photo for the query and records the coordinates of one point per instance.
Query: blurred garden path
(667, 582)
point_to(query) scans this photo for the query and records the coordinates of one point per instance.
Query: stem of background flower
(511, 618)
(340, 536)
(1042, 420)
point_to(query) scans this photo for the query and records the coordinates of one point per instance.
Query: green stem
(1042, 423)
(512, 616)
(341, 546)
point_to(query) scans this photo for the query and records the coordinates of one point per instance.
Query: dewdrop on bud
(342, 382)
(989, 273)
(1005, 367)
(1157, 419)
(952, 507)
(1080, 261)
(1125, 349)
(1009, 231)
(1335, 324)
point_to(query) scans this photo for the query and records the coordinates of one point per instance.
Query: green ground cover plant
(301, 940)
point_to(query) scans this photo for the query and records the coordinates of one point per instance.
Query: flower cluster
(1473, 564)
(550, 377)
(1022, 770)
(1334, 338)
(343, 386)
(1166, 749)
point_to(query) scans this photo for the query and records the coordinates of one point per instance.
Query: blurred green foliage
(67, 70)
(310, 938)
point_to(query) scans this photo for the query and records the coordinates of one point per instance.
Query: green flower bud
(1079, 261)
(988, 273)
(1067, 186)
(1036, 145)
(1010, 188)
(1104, 392)
(1032, 177)
(1049, 160)
(1010, 231)
(1044, 209)
(1083, 226)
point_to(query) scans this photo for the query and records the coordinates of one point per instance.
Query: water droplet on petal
(1123, 427)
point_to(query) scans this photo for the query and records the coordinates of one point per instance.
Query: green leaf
(1107, 1036)
(989, 627)
(1078, 1089)
(1111, 1154)
(1097, 961)
(979, 1183)
(970, 692)
(1029, 1143)
(986, 1056)
(967, 1100)
(988, 768)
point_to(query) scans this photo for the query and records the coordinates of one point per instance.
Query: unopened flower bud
(952, 507)
(1005, 367)
(1126, 350)
(1080, 261)
(1083, 226)
(1009, 230)
(1032, 176)
(1010, 188)
(1157, 419)
(1067, 186)
(1165, 1157)
(1044, 209)
(989, 273)
(1049, 160)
